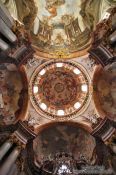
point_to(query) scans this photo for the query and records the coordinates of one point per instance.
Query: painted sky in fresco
(70, 7)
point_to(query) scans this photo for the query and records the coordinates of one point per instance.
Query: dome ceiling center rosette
(59, 90)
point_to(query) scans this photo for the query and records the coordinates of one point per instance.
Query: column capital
(14, 140)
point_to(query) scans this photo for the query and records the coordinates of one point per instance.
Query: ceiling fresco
(63, 138)
(105, 90)
(60, 28)
(10, 92)
(65, 26)
(59, 89)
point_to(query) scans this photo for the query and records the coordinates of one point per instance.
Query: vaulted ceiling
(58, 83)
(60, 27)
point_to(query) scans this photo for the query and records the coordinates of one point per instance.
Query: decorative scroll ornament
(61, 53)
(64, 164)
(14, 140)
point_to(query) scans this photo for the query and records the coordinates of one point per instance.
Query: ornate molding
(14, 140)
(102, 50)
(23, 50)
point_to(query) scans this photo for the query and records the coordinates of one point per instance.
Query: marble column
(7, 165)
(5, 31)
(4, 149)
(112, 37)
(3, 45)
(5, 15)
(13, 170)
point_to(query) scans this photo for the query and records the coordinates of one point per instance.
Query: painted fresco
(63, 138)
(105, 91)
(57, 25)
(10, 90)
